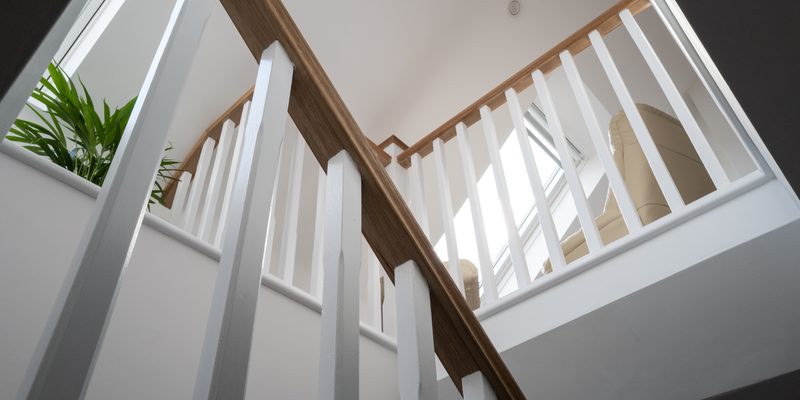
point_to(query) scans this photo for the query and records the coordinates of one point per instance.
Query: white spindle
(417, 194)
(448, 217)
(476, 387)
(415, 361)
(657, 165)
(590, 232)
(64, 357)
(374, 306)
(615, 180)
(13, 101)
(292, 212)
(198, 188)
(698, 139)
(235, 156)
(226, 350)
(484, 258)
(540, 198)
(338, 366)
(518, 260)
(179, 201)
(315, 286)
(211, 199)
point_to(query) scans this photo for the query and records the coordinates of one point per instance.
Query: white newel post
(13, 101)
(415, 358)
(63, 360)
(476, 387)
(338, 361)
(226, 350)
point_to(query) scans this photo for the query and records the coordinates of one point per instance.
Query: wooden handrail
(388, 225)
(575, 43)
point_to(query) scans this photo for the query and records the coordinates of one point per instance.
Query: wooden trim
(575, 43)
(387, 223)
(393, 139)
(233, 113)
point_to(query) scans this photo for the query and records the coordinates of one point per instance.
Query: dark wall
(755, 44)
(23, 25)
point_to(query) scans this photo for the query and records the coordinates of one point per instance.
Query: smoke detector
(514, 7)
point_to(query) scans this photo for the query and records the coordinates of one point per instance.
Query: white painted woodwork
(234, 167)
(629, 213)
(696, 136)
(315, 286)
(448, 217)
(657, 165)
(338, 365)
(273, 205)
(417, 194)
(198, 188)
(415, 357)
(19, 92)
(211, 199)
(374, 304)
(286, 263)
(226, 349)
(486, 265)
(64, 358)
(179, 201)
(476, 387)
(585, 217)
(539, 196)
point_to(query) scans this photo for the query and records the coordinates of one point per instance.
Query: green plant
(74, 136)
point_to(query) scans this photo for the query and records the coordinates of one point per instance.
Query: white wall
(151, 349)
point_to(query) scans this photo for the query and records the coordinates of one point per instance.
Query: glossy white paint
(179, 201)
(415, 356)
(319, 238)
(236, 155)
(417, 194)
(286, 262)
(216, 177)
(446, 206)
(198, 188)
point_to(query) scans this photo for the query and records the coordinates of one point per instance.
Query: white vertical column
(179, 201)
(215, 181)
(415, 361)
(542, 207)
(198, 189)
(615, 180)
(518, 260)
(374, 306)
(590, 232)
(704, 150)
(226, 350)
(13, 101)
(476, 387)
(65, 355)
(448, 217)
(235, 157)
(657, 165)
(485, 260)
(418, 194)
(319, 228)
(338, 366)
(292, 212)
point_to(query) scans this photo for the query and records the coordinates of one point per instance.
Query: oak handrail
(575, 43)
(388, 225)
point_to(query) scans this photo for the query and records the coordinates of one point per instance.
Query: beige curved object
(469, 272)
(679, 155)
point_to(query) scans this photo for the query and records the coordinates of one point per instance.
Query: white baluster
(698, 139)
(540, 198)
(448, 218)
(374, 306)
(235, 157)
(590, 232)
(338, 366)
(518, 260)
(415, 361)
(286, 265)
(13, 101)
(64, 357)
(615, 180)
(417, 194)
(657, 165)
(216, 177)
(229, 330)
(179, 201)
(485, 260)
(319, 237)
(198, 189)
(476, 387)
